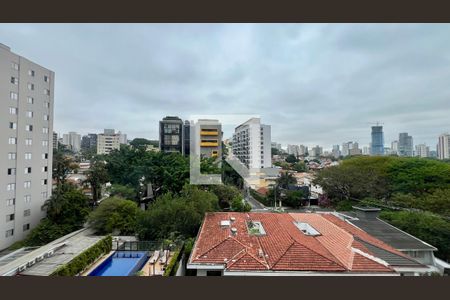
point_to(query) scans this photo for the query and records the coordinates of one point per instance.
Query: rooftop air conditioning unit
(31, 262)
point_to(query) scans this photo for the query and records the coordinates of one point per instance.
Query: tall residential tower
(26, 144)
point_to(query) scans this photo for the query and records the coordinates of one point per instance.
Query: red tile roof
(284, 247)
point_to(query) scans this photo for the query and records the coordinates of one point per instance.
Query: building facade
(377, 145)
(405, 145)
(171, 134)
(72, 140)
(89, 141)
(210, 132)
(108, 141)
(26, 144)
(443, 146)
(252, 144)
(422, 150)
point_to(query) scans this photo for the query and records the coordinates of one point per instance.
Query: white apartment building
(26, 142)
(108, 141)
(293, 149)
(122, 138)
(422, 150)
(443, 147)
(252, 145)
(72, 140)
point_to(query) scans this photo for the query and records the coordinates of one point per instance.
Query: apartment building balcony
(209, 144)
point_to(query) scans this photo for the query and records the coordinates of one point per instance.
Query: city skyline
(316, 84)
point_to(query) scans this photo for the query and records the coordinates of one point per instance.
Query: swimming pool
(121, 263)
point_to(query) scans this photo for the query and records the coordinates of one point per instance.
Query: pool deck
(155, 269)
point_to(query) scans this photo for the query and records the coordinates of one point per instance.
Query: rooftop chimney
(366, 212)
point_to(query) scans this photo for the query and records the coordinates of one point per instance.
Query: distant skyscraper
(405, 145)
(366, 150)
(422, 150)
(316, 151)
(394, 147)
(377, 145)
(72, 140)
(89, 141)
(443, 146)
(336, 152)
(346, 148)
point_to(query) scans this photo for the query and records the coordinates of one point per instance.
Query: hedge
(174, 263)
(85, 258)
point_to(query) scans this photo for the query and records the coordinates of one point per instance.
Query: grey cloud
(314, 83)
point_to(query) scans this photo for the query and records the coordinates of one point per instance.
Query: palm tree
(285, 180)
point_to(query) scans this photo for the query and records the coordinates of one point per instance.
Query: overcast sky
(314, 83)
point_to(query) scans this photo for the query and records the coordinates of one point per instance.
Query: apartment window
(44, 155)
(46, 117)
(15, 66)
(27, 212)
(29, 114)
(10, 202)
(12, 141)
(30, 100)
(13, 96)
(46, 92)
(44, 182)
(45, 143)
(14, 80)
(44, 195)
(9, 233)
(27, 170)
(46, 104)
(28, 142)
(12, 125)
(46, 79)
(26, 227)
(29, 127)
(13, 110)
(11, 171)
(45, 169)
(27, 198)
(12, 156)
(44, 130)
(10, 186)
(30, 86)
(28, 155)
(9, 217)
(27, 184)
(31, 72)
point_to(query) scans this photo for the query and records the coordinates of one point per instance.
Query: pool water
(121, 263)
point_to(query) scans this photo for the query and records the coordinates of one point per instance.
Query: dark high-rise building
(171, 135)
(377, 145)
(187, 138)
(405, 145)
(89, 141)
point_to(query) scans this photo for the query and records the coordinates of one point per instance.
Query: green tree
(299, 167)
(172, 213)
(225, 193)
(68, 206)
(122, 191)
(293, 198)
(63, 165)
(291, 158)
(238, 204)
(115, 215)
(275, 151)
(286, 179)
(96, 176)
